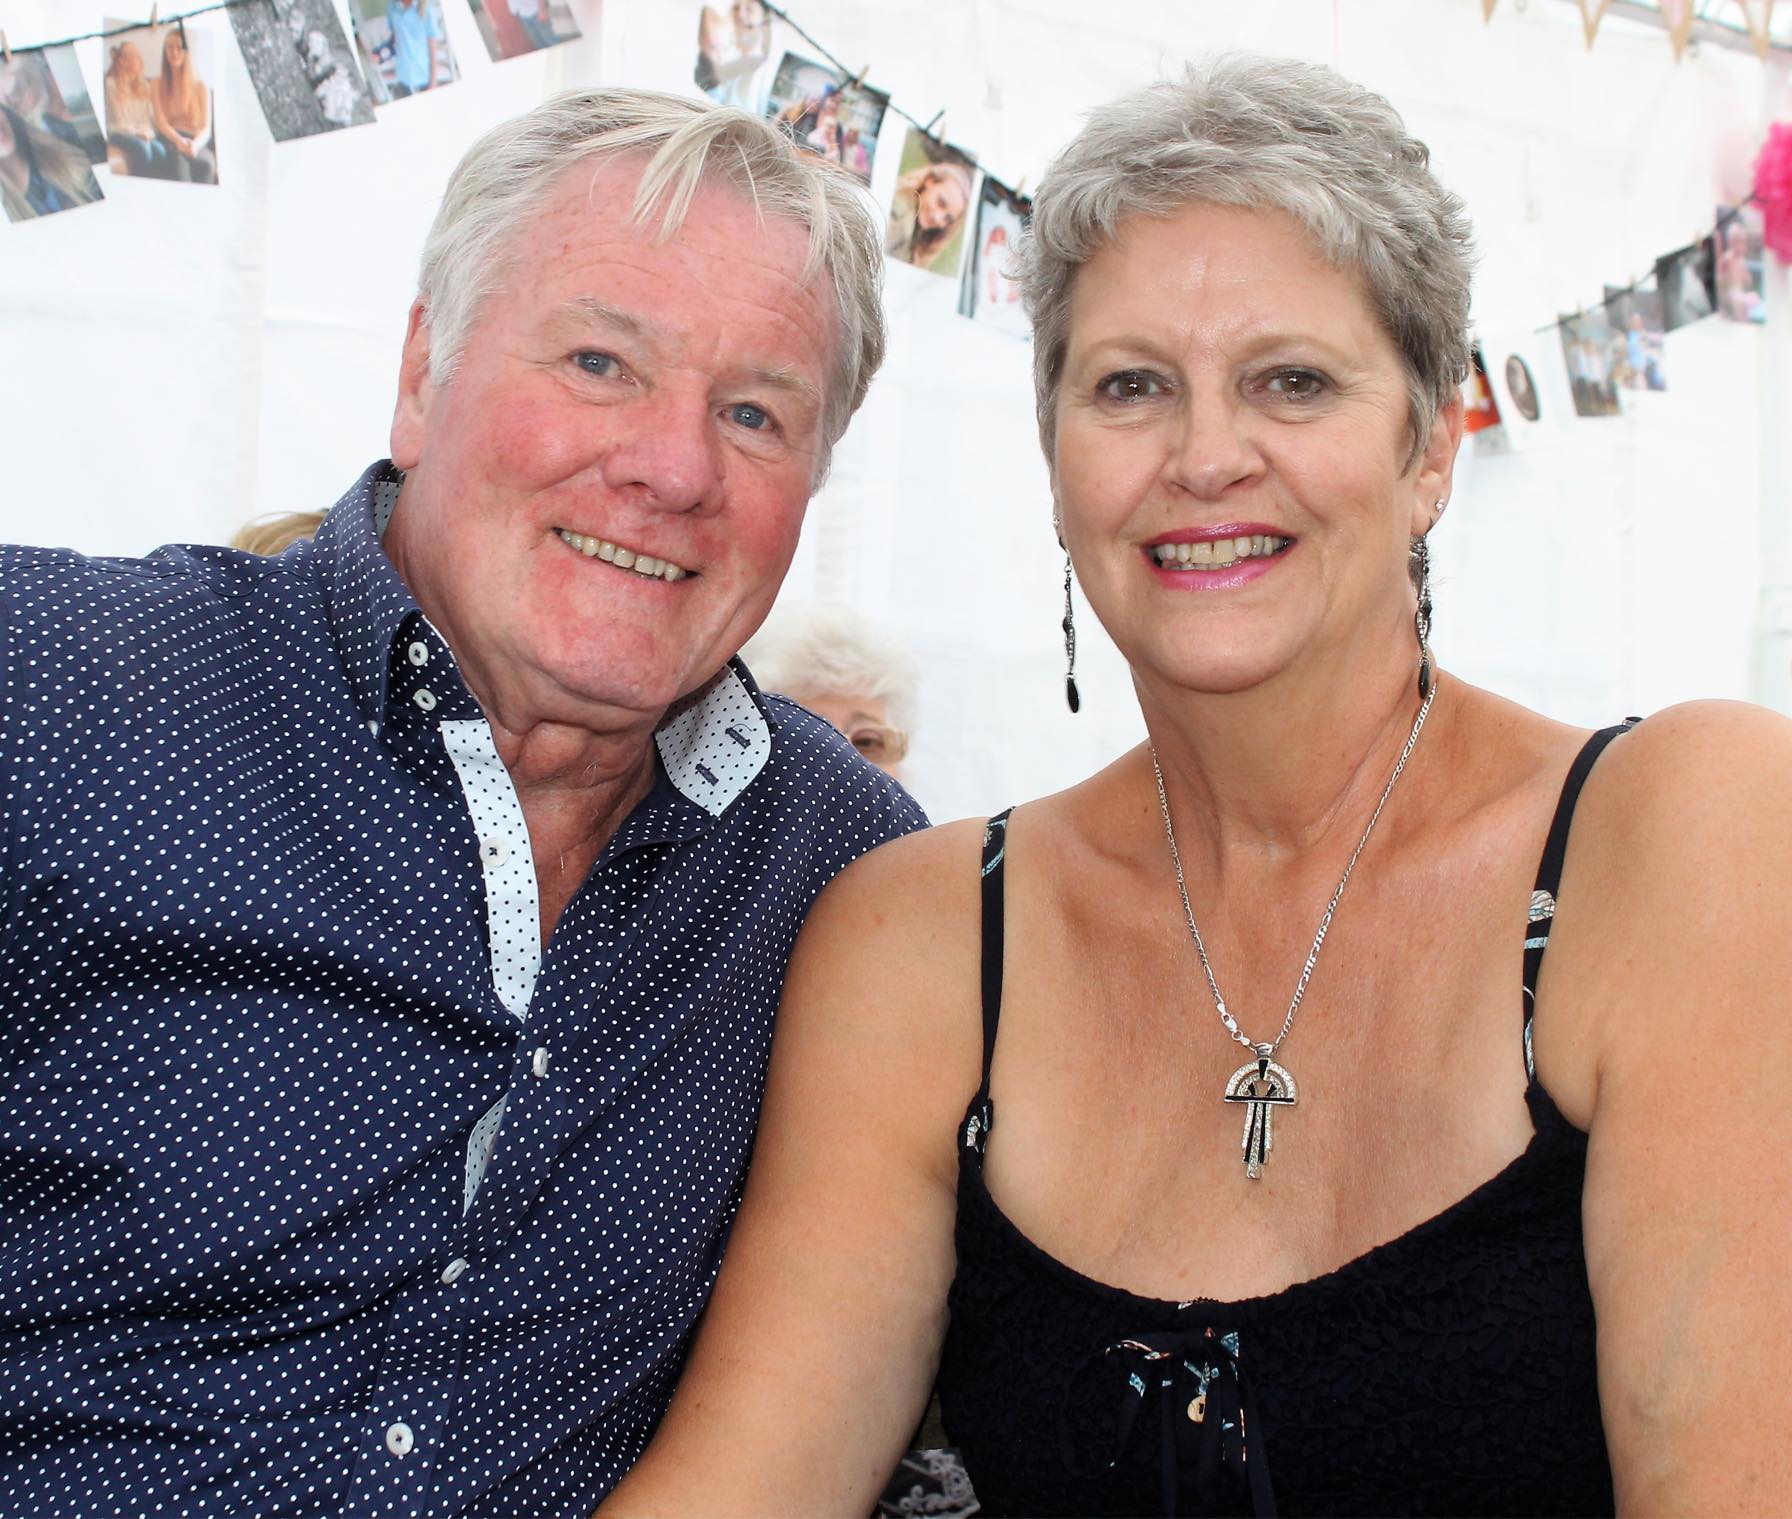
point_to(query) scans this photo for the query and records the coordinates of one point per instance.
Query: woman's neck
(1284, 767)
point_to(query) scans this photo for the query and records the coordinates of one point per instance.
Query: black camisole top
(1448, 1371)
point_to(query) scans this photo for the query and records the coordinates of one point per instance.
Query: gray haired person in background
(393, 927)
(1188, 1204)
(844, 668)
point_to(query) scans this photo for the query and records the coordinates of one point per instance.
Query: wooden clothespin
(155, 11)
(927, 131)
(1020, 188)
(858, 78)
(5, 48)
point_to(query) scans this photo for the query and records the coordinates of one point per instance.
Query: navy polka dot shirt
(324, 1189)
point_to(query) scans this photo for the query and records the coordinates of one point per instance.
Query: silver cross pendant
(1262, 1086)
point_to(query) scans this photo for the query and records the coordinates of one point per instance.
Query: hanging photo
(1521, 388)
(301, 65)
(514, 27)
(1638, 361)
(1587, 351)
(931, 206)
(45, 164)
(159, 103)
(1740, 274)
(827, 113)
(989, 295)
(404, 47)
(734, 48)
(45, 89)
(1687, 280)
(1480, 412)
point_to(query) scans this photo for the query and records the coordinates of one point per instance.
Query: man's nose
(668, 455)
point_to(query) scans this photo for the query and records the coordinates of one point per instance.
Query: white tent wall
(183, 358)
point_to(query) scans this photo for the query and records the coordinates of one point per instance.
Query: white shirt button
(424, 698)
(493, 851)
(399, 1439)
(418, 654)
(451, 1273)
(539, 1064)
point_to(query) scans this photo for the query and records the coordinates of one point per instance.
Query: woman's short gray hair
(819, 650)
(508, 173)
(1272, 133)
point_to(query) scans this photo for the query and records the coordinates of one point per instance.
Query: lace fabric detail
(928, 1482)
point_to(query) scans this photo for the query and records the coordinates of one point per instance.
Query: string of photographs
(159, 119)
(829, 109)
(1615, 352)
(159, 125)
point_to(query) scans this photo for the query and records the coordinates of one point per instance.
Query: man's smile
(622, 557)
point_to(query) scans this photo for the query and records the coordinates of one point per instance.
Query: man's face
(618, 399)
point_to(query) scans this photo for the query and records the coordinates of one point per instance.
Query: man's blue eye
(595, 363)
(750, 416)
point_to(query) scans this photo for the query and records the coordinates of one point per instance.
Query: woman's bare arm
(1676, 945)
(813, 1363)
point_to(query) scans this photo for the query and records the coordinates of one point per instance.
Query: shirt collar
(712, 743)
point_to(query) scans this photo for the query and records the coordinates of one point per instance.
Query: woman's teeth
(1217, 553)
(623, 559)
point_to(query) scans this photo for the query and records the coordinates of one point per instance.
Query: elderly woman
(843, 669)
(1219, 1129)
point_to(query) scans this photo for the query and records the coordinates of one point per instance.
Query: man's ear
(416, 392)
(1436, 469)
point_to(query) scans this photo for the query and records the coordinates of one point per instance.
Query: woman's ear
(1435, 473)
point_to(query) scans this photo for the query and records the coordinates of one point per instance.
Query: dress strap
(995, 845)
(1549, 874)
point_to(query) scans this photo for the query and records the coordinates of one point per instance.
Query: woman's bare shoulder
(1674, 908)
(1694, 774)
(916, 883)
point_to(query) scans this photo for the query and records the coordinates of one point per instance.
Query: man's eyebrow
(586, 308)
(789, 381)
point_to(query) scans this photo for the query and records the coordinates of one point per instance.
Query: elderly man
(392, 929)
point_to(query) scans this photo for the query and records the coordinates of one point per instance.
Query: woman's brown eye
(871, 745)
(1296, 384)
(1128, 385)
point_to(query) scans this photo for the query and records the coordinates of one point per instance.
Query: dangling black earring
(1070, 692)
(1421, 619)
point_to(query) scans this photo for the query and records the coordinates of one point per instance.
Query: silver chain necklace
(1262, 1085)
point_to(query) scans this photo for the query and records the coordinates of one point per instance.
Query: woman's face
(865, 720)
(940, 204)
(173, 53)
(1230, 448)
(130, 61)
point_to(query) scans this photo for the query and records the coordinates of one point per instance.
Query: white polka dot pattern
(258, 1001)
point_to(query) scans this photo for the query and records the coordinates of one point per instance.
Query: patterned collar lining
(712, 743)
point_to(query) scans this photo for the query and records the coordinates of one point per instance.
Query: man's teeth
(623, 559)
(1217, 553)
